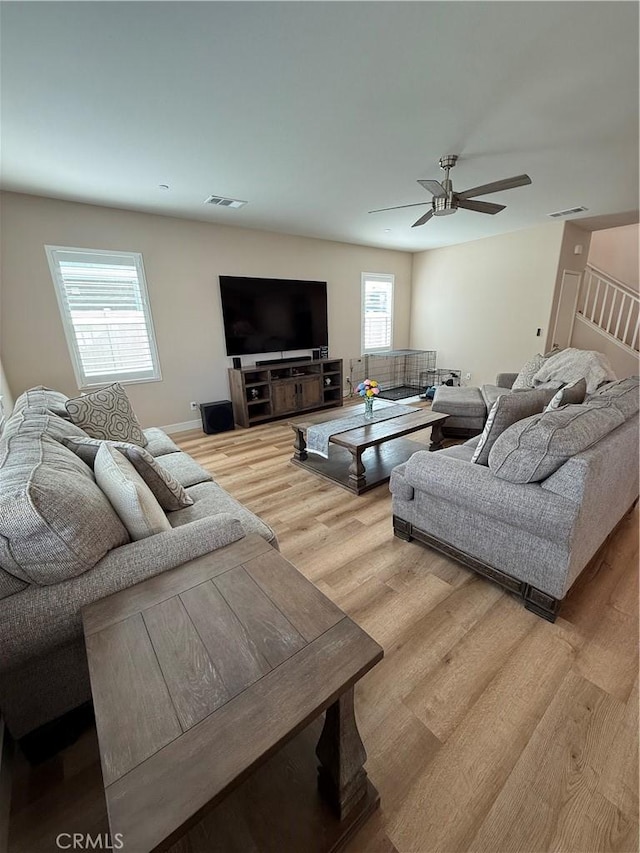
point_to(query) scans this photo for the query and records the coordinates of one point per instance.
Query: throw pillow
(574, 392)
(107, 414)
(525, 378)
(508, 409)
(623, 394)
(128, 494)
(167, 490)
(532, 449)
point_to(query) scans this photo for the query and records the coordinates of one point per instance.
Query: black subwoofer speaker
(217, 417)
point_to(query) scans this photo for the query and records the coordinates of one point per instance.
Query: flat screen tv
(264, 315)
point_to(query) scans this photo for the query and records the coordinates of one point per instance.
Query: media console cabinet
(265, 393)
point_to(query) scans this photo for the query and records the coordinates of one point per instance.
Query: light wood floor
(487, 729)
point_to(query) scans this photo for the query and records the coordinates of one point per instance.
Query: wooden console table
(202, 673)
(265, 393)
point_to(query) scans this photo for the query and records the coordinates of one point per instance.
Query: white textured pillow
(128, 494)
(525, 378)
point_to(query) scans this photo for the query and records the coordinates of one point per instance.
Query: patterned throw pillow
(107, 414)
(574, 392)
(128, 494)
(508, 409)
(167, 490)
(525, 378)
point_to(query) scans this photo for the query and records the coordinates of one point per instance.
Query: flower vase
(368, 408)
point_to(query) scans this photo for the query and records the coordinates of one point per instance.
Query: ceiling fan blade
(481, 206)
(400, 206)
(423, 219)
(434, 187)
(496, 186)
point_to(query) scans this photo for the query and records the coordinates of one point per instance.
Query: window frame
(82, 380)
(385, 278)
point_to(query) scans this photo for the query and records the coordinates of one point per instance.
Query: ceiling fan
(446, 201)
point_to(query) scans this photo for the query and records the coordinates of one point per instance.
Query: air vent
(567, 212)
(220, 201)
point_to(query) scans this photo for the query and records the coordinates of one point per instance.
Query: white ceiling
(316, 112)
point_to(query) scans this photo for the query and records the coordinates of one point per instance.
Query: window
(106, 316)
(377, 312)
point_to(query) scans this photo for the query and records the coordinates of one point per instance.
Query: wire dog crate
(400, 373)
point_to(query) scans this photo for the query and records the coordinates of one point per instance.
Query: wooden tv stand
(266, 393)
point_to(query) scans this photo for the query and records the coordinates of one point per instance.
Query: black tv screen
(264, 315)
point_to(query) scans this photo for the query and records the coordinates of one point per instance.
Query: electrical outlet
(467, 376)
(194, 406)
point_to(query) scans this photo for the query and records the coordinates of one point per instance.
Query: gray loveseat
(62, 546)
(556, 485)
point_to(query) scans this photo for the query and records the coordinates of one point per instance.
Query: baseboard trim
(183, 427)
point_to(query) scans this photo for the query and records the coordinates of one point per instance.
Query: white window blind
(105, 311)
(377, 312)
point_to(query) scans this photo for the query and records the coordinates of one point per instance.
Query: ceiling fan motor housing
(444, 206)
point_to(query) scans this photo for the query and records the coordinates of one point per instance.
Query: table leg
(436, 436)
(342, 779)
(299, 446)
(357, 470)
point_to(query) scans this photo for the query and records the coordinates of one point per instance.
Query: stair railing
(611, 306)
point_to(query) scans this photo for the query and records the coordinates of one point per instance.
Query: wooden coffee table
(202, 673)
(385, 438)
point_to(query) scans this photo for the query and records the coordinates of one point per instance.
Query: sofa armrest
(41, 617)
(506, 380)
(474, 487)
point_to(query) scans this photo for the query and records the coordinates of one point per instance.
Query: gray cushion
(158, 442)
(210, 499)
(508, 409)
(463, 402)
(9, 584)
(107, 414)
(41, 397)
(524, 379)
(184, 469)
(532, 449)
(55, 521)
(41, 420)
(166, 489)
(490, 394)
(623, 394)
(573, 393)
(128, 493)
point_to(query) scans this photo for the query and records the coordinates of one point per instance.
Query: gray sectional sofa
(556, 485)
(62, 546)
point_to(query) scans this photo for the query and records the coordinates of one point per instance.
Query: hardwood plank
(194, 685)
(272, 633)
(619, 779)
(443, 699)
(196, 770)
(238, 660)
(114, 608)
(447, 803)
(307, 609)
(609, 657)
(136, 729)
(559, 767)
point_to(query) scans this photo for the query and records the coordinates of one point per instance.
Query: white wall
(615, 251)
(182, 262)
(479, 304)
